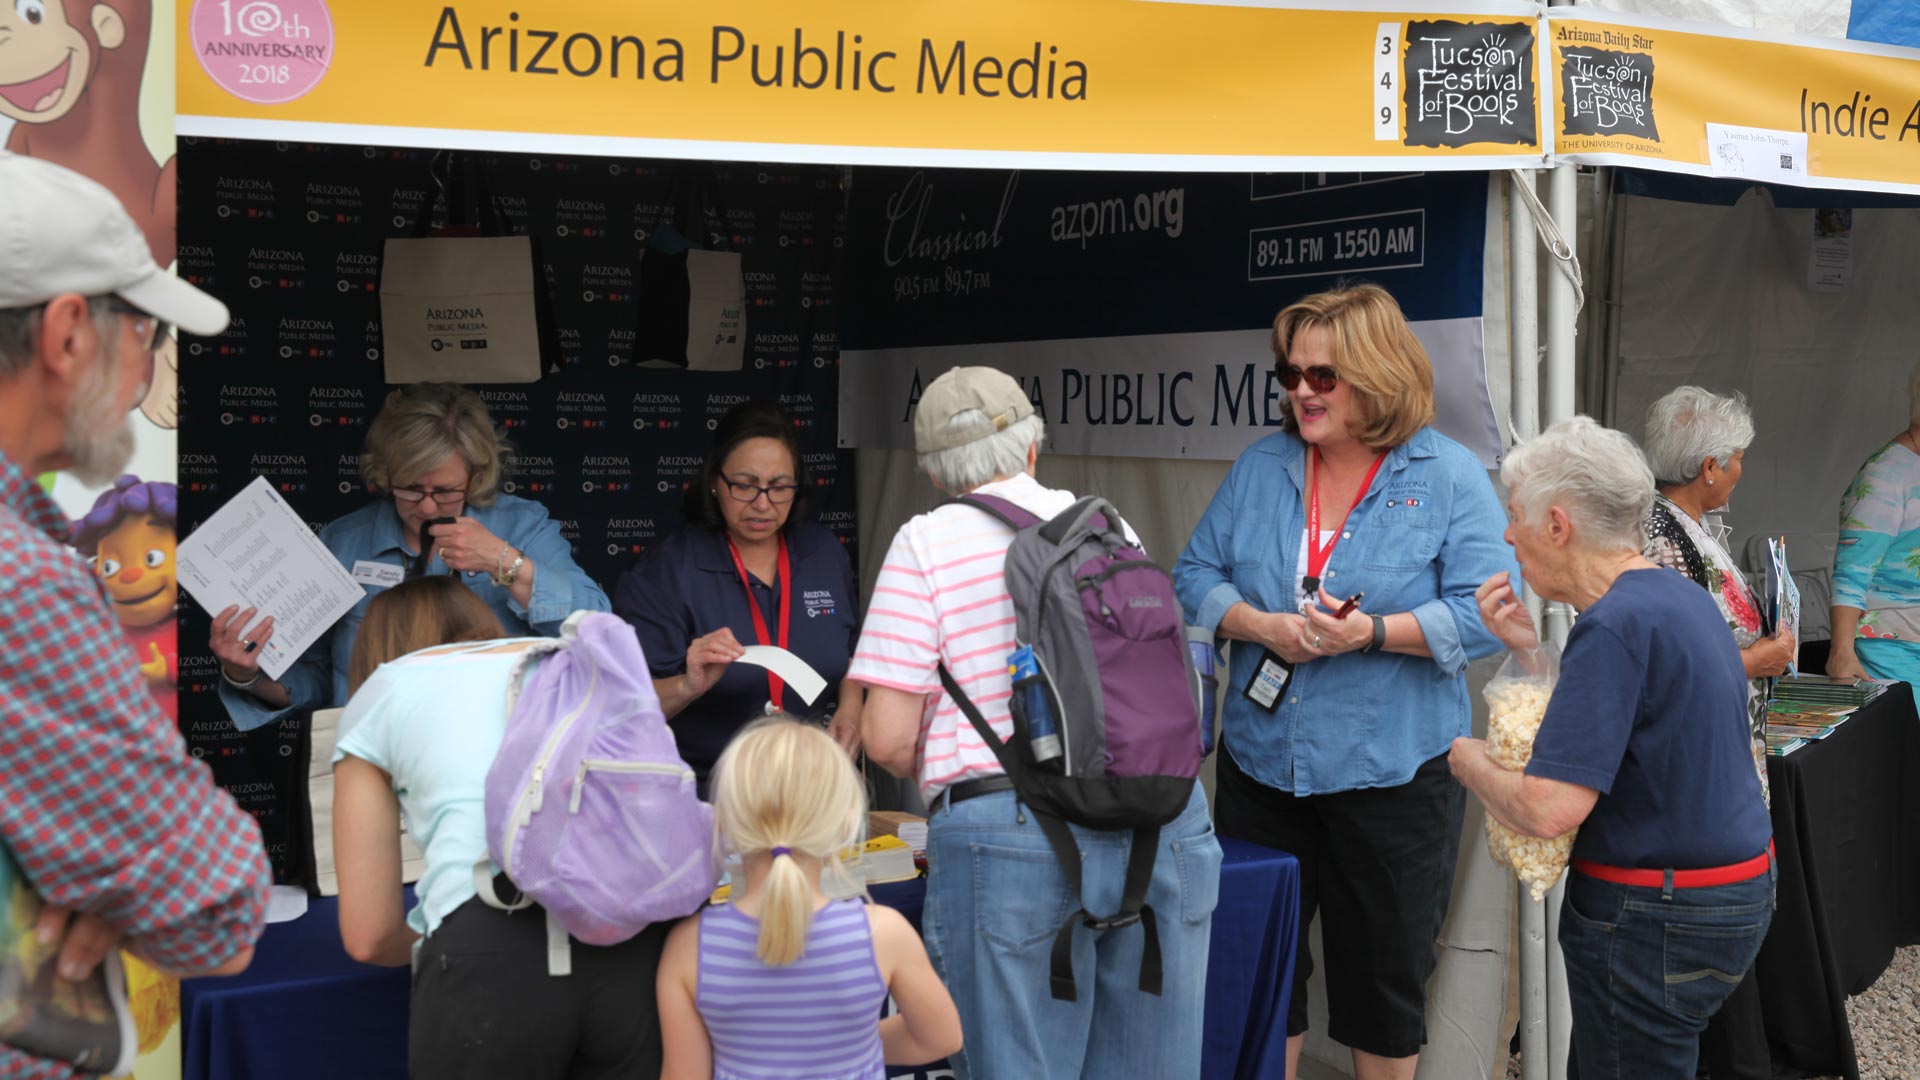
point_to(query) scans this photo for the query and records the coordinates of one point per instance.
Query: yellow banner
(1659, 94)
(1064, 84)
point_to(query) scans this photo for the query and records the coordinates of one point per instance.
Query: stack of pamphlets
(881, 860)
(1808, 708)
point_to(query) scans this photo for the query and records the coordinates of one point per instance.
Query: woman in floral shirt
(1876, 568)
(1696, 442)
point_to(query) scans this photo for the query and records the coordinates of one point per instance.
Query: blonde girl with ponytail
(783, 982)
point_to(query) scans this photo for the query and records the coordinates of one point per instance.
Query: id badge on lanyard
(1270, 677)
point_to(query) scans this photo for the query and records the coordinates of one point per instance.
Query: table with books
(306, 1010)
(1846, 822)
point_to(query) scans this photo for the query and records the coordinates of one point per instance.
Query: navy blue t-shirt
(686, 587)
(1651, 711)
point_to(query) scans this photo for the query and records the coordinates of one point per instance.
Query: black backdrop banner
(290, 236)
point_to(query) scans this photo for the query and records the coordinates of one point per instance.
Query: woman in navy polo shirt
(1644, 747)
(689, 596)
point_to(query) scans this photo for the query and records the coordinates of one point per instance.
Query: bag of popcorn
(1517, 700)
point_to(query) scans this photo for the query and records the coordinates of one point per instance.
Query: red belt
(1682, 879)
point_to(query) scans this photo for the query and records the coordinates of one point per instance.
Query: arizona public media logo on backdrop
(267, 52)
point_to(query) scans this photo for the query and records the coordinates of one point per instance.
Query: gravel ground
(1886, 1023)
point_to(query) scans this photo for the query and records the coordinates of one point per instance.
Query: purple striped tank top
(818, 1018)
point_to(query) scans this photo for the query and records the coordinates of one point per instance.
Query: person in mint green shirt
(1876, 567)
(428, 677)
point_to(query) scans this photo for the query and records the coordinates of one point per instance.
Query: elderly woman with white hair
(1644, 748)
(1696, 442)
(1876, 567)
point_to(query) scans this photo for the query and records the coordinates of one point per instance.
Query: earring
(1709, 481)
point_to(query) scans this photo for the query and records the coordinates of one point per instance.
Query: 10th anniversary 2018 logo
(267, 52)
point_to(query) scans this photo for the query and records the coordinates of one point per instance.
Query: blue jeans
(995, 899)
(1647, 967)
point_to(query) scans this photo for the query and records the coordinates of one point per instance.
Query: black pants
(485, 1007)
(1377, 863)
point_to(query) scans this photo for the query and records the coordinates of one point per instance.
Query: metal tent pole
(1523, 286)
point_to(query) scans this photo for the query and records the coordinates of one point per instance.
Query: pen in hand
(1347, 608)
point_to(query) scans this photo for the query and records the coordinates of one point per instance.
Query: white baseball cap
(61, 232)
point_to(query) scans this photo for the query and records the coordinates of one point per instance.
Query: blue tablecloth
(305, 1011)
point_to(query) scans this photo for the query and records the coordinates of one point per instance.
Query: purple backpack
(1106, 710)
(590, 809)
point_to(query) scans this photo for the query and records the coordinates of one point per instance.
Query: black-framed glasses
(777, 494)
(1320, 378)
(440, 496)
(151, 328)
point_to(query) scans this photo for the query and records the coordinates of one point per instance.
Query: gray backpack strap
(1076, 517)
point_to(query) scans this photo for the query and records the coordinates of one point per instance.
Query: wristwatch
(1379, 633)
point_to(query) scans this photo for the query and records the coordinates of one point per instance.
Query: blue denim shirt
(372, 533)
(1427, 534)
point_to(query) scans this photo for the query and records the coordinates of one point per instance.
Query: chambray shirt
(1426, 535)
(373, 534)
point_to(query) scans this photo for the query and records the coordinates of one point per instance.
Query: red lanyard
(775, 688)
(1317, 556)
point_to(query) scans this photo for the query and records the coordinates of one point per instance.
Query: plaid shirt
(99, 802)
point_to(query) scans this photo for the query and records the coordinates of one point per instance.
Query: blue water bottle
(1043, 736)
(1200, 644)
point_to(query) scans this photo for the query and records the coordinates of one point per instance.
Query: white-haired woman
(432, 454)
(1876, 568)
(1696, 442)
(1644, 748)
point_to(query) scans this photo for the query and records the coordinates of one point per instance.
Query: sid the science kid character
(129, 538)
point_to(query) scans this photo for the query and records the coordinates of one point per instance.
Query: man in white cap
(100, 806)
(996, 895)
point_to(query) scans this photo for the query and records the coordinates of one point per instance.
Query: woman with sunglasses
(1340, 557)
(435, 462)
(746, 569)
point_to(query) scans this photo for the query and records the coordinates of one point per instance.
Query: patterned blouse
(1876, 567)
(1677, 542)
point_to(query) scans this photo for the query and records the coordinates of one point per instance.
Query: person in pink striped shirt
(995, 892)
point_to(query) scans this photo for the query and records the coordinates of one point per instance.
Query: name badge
(1270, 677)
(384, 575)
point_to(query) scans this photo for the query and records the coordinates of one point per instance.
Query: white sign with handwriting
(1757, 153)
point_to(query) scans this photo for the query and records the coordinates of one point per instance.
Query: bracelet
(499, 563)
(1379, 633)
(505, 580)
(239, 685)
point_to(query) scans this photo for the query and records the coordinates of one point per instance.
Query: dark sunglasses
(1321, 378)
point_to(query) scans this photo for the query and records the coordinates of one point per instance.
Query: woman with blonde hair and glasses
(435, 462)
(1340, 556)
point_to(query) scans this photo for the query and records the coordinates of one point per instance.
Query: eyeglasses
(778, 494)
(440, 496)
(151, 329)
(1320, 378)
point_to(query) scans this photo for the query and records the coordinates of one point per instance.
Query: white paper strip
(794, 671)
